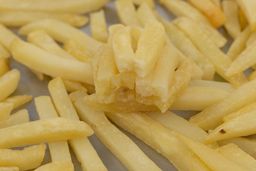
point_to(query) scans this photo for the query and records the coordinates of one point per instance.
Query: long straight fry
(56, 166)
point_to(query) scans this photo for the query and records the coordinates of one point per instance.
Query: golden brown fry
(57, 129)
(212, 116)
(22, 116)
(99, 26)
(20, 18)
(242, 19)
(50, 64)
(8, 83)
(77, 6)
(26, 159)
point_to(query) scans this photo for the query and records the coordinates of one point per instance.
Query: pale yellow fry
(59, 151)
(239, 44)
(122, 48)
(244, 61)
(5, 110)
(72, 48)
(248, 6)
(232, 25)
(209, 49)
(252, 76)
(98, 26)
(4, 66)
(248, 108)
(213, 84)
(126, 12)
(50, 64)
(38, 75)
(159, 138)
(50, 130)
(145, 14)
(63, 33)
(6, 37)
(41, 39)
(180, 125)
(8, 83)
(21, 116)
(72, 86)
(198, 98)
(211, 11)
(77, 6)
(77, 95)
(148, 50)
(213, 159)
(237, 155)
(117, 142)
(186, 46)
(150, 3)
(11, 168)
(251, 39)
(20, 18)
(25, 159)
(242, 125)
(3, 52)
(245, 144)
(56, 166)
(212, 116)
(18, 100)
(217, 2)
(89, 160)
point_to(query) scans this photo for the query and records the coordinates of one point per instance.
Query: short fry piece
(248, 7)
(237, 155)
(98, 26)
(26, 159)
(159, 138)
(50, 64)
(19, 100)
(72, 86)
(22, 116)
(49, 130)
(212, 116)
(57, 166)
(8, 83)
(20, 18)
(5, 110)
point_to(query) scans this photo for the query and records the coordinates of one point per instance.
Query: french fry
(180, 125)
(245, 144)
(20, 18)
(57, 129)
(232, 25)
(248, 108)
(159, 138)
(72, 86)
(43, 40)
(209, 49)
(212, 116)
(247, 6)
(8, 83)
(242, 19)
(18, 101)
(252, 76)
(150, 3)
(26, 159)
(4, 66)
(59, 151)
(232, 151)
(122, 48)
(242, 125)
(239, 44)
(213, 159)
(77, 95)
(19, 117)
(4, 53)
(5, 110)
(99, 26)
(126, 12)
(11, 168)
(145, 14)
(116, 141)
(80, 6)
(244, 61)
(147, 52)
(56, 166)
(185, 45)
(76, 51)
(65, 108)
(217, 2)
(212, 11)
(213, 84)
(198, 98)
(251, 39)
(6, 37)
(50, 64)
(63, 32)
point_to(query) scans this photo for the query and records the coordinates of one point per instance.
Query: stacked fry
(133, 75)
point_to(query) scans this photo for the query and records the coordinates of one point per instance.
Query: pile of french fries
(134, 76)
